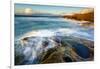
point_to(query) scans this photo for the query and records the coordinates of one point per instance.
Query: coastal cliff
(86, 17)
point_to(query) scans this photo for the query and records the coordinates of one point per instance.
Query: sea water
(47, 27)
(24, 25)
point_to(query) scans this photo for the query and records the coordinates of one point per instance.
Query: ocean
(24, 25)
(43, 33)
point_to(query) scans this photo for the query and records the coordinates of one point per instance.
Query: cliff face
(86, 16)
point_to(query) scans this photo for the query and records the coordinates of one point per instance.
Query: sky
(29, 8)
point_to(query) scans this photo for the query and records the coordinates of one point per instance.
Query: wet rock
(19, 59)
(53, 56)
(67, 59)
(58, 50)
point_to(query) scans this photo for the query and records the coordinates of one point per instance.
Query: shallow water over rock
(54, 50)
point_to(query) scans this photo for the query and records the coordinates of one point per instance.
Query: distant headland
(86, 17)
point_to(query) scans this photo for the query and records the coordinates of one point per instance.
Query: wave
(57, 32)
(49, 33)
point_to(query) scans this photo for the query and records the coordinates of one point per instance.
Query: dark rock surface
(66, 49)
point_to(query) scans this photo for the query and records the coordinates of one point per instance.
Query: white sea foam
(49, 33)
(36, 45)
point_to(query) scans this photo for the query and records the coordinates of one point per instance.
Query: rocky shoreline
(84, 18)
(69, 49)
